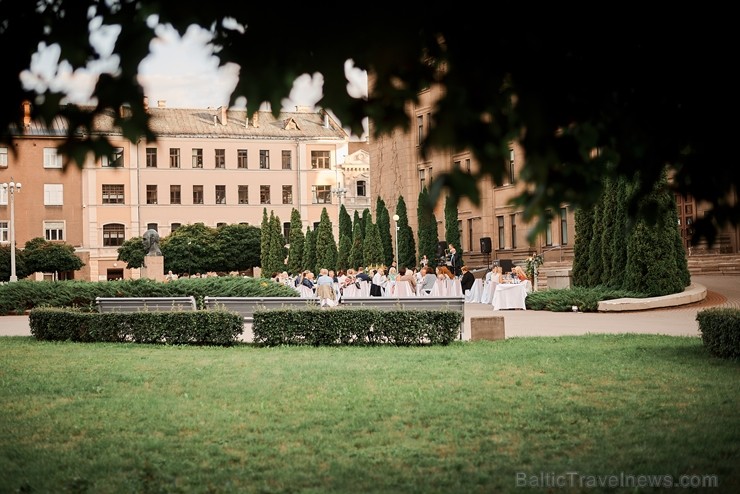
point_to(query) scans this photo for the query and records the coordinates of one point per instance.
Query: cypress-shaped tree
(357, 220)
(584, 219)
(621, 235)
(264, 239)
(365, 215)
(595, 264)
(356, 255)
(373, 248)
(426, 228)
(383, 220)
(406, 243)
(652, 266)
(345, 222)
(326, 246)
(608, 231)
(343, 254)
(296, 240)
(277, 252)
(309, 250)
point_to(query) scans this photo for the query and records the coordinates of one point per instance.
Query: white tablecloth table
(474, 294)
(509, 296)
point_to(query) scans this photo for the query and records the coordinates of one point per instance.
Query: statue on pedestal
(151, 243)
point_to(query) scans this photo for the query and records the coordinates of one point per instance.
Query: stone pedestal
(487, 328)
(558, 278)
(154, 269)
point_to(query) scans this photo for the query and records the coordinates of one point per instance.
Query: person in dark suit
(454, 261)
(362, 275)
(467, 280)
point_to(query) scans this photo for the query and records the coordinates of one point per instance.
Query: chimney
(223, 115)
(146, 103)
(256, 119)
(26, 114)
(161, 103)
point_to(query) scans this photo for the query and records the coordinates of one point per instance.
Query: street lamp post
(395, 220)
(340, 192)
(11, 188)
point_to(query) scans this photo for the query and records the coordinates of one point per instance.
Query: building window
(512, 219)
(115, 160)
(53, 194)
(264, 159)
(4, 232)
(456, 165)
(286, 230)
(52, 159)
(264, 194)
(151, 157)
(511, 166)
(197, 158)
(429, 174)
(287, 159)
(4, 157)
(467, 165)
(174, 227)
(152, 226)
(113, 235)
(241, 158)
(244, 194)
(151, 194)
(320, 159)
(175, 197)
(197, 194)
(174, 157)
(422, 179)
(113, 194)
(220, 224)
(548, 231)
(220, 194)
(420, 129)
(220, 158)
(321, 194)
(563, 226)
(54, 230)
(287, 194)
(361, 188)
(501, 233)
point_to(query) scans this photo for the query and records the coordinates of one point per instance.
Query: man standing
(454, 261)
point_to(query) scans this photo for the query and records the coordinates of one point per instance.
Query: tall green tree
(191, 249)
(345, 222)
(373, 247)
(309, 250)
(619, 239)
(406, 243)
(383, 220)
(238, 247)
(326, 246)
(20, 266)
(365, 215)
(426, 228)
(608, 230)
(296, 240)
(264, 238)
(595, 260)
(276, 250)
(584, 219)
(356, 255)
(357, 220)
(343, 254)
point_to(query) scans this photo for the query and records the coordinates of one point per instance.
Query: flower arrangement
(532, 267)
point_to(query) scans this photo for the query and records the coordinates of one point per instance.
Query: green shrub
(203, 327)
(720, 331)
(586, 299)
(26, 295)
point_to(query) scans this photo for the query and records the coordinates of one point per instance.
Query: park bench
(247, 305)
(142, 304)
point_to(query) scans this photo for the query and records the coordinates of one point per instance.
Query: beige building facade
(210, 166)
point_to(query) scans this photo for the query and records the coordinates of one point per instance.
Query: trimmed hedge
(720, 331)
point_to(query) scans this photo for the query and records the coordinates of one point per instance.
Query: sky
(181, 71)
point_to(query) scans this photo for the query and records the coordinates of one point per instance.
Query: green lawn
(483, 417)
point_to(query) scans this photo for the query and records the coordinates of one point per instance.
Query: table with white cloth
(473, 295)
(509, 296)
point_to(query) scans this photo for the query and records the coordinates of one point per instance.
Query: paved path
(722, 291)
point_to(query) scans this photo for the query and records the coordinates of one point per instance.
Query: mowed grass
(471, 417)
